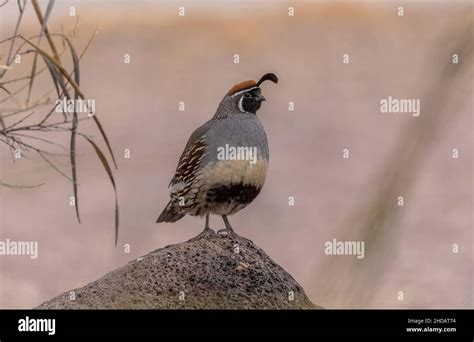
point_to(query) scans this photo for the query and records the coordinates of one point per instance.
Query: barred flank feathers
(170, 214)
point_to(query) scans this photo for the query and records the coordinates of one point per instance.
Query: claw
(206, 233)
(225, 231)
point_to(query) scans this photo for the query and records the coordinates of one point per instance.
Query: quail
(224, 163)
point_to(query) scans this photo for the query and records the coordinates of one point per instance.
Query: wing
(191, 157)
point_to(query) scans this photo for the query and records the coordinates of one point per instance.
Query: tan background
(190, 59)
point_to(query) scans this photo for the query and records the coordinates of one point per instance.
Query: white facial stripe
(241, 108)
(244, 91)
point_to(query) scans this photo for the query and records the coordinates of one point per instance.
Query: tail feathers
(170, 214)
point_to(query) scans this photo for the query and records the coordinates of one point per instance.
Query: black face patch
(233, 193)
(251, 101)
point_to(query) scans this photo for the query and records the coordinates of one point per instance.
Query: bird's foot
(205, 234)
(225, 232)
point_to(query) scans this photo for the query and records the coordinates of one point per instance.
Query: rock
(207, 272)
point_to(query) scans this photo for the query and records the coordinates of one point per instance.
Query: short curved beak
(260, 98)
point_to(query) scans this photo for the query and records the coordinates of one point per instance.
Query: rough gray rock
(207, 272)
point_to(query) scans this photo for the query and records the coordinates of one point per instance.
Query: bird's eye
(247, 95)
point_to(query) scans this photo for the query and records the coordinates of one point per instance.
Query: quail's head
(247, 96)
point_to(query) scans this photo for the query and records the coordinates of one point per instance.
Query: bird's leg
(207, 232)
(228, 228)
(227, 223)
(206, 226)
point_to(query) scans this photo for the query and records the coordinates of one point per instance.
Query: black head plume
(268, 77)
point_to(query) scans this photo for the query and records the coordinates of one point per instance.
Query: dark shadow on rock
(207, 272)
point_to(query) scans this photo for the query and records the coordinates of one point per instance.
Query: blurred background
(336, 106)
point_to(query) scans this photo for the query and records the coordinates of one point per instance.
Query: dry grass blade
(5, 89)
(79, 92)
(104, 136)
(43, 22)
(46, 31)
(67, 86)
(112, 180)
(16, 186)
(54, 166)
(75, 61)
(12, 42)
(73, 156)
(57, 71)
(56, 76)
